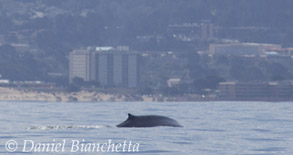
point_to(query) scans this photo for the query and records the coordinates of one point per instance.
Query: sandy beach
(15, 94)
(22, 94)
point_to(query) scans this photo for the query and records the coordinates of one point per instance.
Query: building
(115, 69)
(110, 68)
(207, 31)
(241, 49)
(256, 91)
(282, 51)
(79, 65)
(192, 31)
(173, 82)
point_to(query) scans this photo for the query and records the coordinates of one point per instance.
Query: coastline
(60, 95)
(22, 94)
(17, 94)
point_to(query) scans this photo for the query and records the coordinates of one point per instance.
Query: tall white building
(79, 65)
(132, 71)
(116, 69)
(109, 68)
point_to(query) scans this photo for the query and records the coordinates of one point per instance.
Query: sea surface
(209, 128)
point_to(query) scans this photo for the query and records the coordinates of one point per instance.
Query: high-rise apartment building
(79, 65)
(116, 69)
(109, 68)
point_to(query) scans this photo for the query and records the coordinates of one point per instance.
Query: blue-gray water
(209, 127)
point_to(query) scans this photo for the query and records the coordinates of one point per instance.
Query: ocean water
(209, 128)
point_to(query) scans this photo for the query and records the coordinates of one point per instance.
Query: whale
(148, 121)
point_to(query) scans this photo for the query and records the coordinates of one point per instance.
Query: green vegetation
(20, 66)
(53, 28)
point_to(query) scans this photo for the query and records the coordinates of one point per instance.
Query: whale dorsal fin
(130, 116)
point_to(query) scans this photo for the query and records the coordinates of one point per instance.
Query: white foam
(57, 127)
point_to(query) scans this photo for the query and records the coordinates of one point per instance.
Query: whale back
(148, 121)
